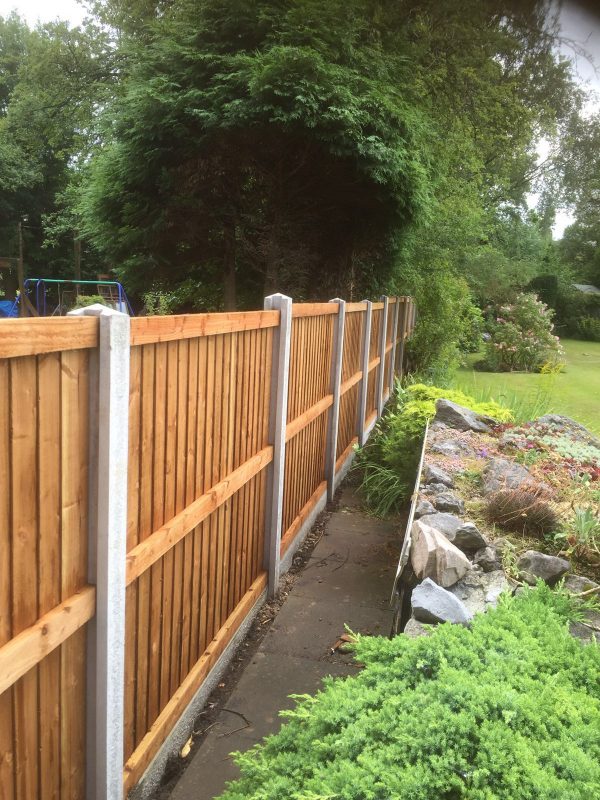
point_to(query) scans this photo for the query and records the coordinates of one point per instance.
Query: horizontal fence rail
(156, 475)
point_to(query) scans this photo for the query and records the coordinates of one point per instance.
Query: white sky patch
(34, 11)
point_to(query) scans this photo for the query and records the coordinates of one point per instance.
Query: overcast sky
(580, 21)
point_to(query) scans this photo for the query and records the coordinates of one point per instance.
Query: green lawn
(575, 392)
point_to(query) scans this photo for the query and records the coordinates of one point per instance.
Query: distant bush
(521, 337)
(589, 328)
(85, 300)
(506, 710)
(389, 461)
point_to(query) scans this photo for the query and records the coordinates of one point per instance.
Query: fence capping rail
(109, 414)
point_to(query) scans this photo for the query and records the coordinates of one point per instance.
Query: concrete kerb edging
(184, 727)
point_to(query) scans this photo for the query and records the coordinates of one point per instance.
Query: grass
(574, 392)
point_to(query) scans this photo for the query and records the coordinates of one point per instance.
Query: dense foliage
(508, 710)
(388, 462)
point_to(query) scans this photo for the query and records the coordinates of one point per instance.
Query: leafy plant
(522, 338)
(85, 300)
(589, 328)
(506, 710)
(582, 532)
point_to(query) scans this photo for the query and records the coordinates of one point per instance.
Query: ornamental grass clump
(523, 511)
(506, 710)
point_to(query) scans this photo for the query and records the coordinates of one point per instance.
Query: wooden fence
(156, 474)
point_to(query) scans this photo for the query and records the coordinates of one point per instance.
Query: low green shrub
(506, 710)
(85, 300)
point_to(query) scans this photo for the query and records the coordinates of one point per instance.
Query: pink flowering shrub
(522, 338)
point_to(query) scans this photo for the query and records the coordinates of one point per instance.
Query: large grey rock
(577, 584)
(432, 555)
(533, 565)
(487, 558)
(463, 535)
(414, 629)
(461, 418)
(433, 474)
(447, 501)
(480, 591)
(502, 474)
(433, 603)
(423, 508)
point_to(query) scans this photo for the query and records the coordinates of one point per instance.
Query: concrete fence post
(394, 339)
(402, 319)
(277, 425)
(109, 429)
(364, 384)
(382, 346)
(336, 385)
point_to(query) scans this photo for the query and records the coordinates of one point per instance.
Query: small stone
(461, 418)
(446, 501)
(432, 603)
(414, 629)
(433, 474)
(577, 584)
(423, 508)
(434, 488)
(468, 538)
(502, 474)
(479, 592)
(533, 565)
(447, 448)
(487, 559)
(432, 555)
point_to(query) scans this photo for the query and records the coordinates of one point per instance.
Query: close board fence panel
(213, 498)
(45, 599)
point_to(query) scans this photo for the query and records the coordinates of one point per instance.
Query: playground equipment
(50, 297)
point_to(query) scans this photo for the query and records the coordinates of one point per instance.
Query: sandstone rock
(447, 501)
(502, 474)
(480, 591)
(432, 555)
(487, 558)
(463, 535)
(432, 603)
(533, 565)
(433, 474)
(414, 628)
(423, 508)
(463, 419)
(577, 584)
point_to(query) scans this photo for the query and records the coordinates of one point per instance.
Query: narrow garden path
(347, 581)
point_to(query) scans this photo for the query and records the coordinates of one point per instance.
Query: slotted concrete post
(364, 384)
(394, 339)
(277, 425)
(402, 319)
(382, 346)
(109, 429)
(336, 385)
